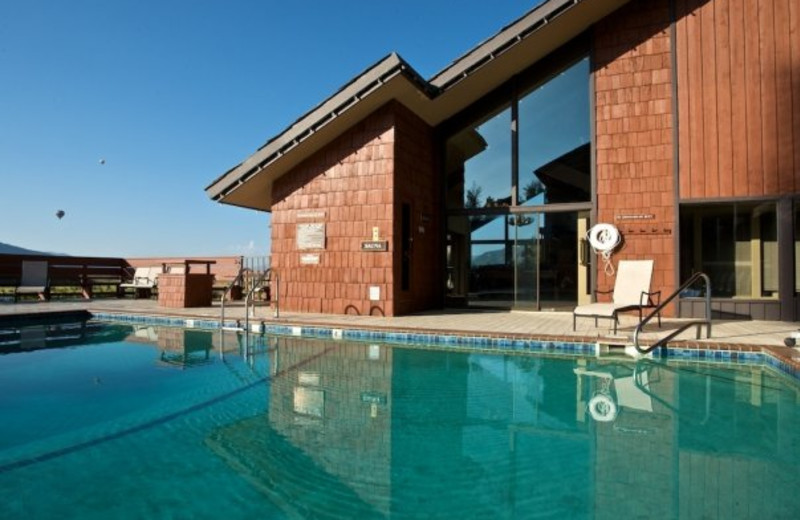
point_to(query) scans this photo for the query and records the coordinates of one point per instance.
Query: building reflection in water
(358, 430)
(57, 333)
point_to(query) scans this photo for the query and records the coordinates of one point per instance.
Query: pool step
(619, 350)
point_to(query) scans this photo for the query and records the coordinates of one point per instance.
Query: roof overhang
(475, 74)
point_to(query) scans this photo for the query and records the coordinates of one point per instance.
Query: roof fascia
(496, 45)
(345, 98)
(433, 100)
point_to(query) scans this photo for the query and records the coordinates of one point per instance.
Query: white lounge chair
(34, 280)
(631, 293)
(145, 279)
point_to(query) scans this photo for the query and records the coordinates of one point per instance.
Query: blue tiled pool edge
(466, 341)
(384, 336)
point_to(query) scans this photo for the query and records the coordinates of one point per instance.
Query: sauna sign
(311, 236)
(374, 245)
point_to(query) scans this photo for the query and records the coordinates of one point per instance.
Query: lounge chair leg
(574, 319)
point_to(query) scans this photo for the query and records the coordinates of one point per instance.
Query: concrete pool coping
(728, 337)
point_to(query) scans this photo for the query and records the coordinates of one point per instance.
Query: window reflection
(479, 164)
(499, 256)
(524, 260)
(491, 262)
(554, 137)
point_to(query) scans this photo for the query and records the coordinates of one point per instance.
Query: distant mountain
(496, 257)
(8, 249)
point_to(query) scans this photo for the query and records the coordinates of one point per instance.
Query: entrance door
(546, 260)
(525, 261)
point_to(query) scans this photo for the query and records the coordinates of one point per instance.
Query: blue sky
(171, 94)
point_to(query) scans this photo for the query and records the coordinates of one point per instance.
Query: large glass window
(736, 245)
(526, 150)
(478, 164)
(554, 140)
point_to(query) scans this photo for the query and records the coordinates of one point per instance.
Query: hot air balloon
(60, 214)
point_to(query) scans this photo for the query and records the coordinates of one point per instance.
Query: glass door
(527, 256)
(545, 260)
(523, 260)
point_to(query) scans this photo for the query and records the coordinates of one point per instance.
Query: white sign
(374, 352)
(311, 214)
(374, 293)
(309, 259)
(311, 236)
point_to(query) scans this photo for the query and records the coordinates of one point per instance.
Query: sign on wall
(311, 236)
(309, 259)
(375, 245)
(311, 214)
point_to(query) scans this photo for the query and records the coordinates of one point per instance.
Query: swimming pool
(135, 421)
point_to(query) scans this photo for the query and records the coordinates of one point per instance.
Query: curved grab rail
(265, 276)
(699, 323)
(225, 294)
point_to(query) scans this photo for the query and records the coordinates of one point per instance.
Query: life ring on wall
(602, 408)
(604, 238)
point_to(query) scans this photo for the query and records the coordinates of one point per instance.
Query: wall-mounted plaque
(313, 214)
(311, 236)
(309, 259)
(636, 216)
(374, 245)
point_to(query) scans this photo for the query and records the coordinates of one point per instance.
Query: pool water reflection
(165, 422)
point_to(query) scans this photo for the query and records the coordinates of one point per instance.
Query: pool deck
(726, 334)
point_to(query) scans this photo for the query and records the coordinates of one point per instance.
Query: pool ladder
(694, 323)
(252, 281)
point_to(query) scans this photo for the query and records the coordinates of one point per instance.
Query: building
(677, 121)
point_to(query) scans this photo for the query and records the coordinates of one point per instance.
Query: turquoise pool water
(117, 421)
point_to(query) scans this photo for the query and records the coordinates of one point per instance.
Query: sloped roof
(476, 73)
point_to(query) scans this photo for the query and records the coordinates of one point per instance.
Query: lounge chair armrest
(647, 297)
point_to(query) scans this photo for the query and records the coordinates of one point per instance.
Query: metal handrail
(699, 323)
(269, 276)
(225, 294)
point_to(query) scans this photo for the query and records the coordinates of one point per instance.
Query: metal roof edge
(507, 37)
(377, 75)
(348, 95)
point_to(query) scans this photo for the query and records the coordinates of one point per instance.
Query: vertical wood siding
(738, 75)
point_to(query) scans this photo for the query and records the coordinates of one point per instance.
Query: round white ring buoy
(604, 237)
(602, 408)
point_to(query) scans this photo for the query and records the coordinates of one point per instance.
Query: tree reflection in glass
(554, 140)
(478, 164)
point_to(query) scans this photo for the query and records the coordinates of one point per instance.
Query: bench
(83, 276)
